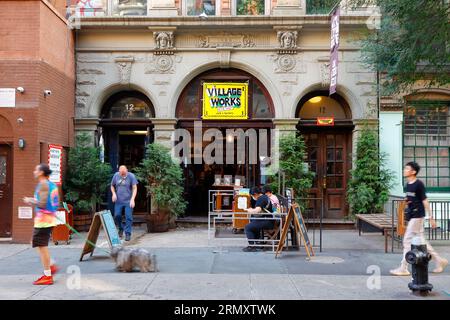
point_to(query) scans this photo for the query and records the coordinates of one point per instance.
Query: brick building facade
(36, 54)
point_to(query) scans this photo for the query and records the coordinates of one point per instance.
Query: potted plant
(86, 182)
(163, 179)
(370, 182)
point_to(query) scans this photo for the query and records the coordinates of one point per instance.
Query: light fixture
(315, 99)
(230, 138)
(140, 132)
(21, 143)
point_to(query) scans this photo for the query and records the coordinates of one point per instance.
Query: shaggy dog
(128, 259)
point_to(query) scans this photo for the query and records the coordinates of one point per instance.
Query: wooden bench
(380, 221)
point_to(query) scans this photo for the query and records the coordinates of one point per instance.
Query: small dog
(127, 259)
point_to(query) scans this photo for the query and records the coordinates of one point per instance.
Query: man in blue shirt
(124, 190)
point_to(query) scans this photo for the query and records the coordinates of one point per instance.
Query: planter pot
(82, 221)
(158, 222)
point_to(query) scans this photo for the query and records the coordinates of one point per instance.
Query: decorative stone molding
(163, 63)
(226, 40)
(164, 40)
(224, 58)
(287, 63)
(325, 74)
(287, 39)
(124, 65)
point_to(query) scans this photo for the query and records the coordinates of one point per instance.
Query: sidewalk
(193, 269)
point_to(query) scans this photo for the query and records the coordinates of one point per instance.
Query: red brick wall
(36, 53)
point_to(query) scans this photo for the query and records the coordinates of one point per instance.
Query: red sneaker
(44, 280)
(54, 269)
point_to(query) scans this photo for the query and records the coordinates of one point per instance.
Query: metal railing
(441, 214)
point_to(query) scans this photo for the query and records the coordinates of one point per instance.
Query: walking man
(417, 204)
(46, 202)
(124, 190)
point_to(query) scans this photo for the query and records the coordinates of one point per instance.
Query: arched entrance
(329, 142)
(200, 176)
(126, 127)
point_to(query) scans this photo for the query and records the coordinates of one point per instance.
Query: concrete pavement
(191, 267)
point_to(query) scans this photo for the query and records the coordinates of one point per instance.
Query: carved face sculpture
(163, 40)
(288, 40)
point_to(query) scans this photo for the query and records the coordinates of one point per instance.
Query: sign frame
(211, 113)
(55, 173)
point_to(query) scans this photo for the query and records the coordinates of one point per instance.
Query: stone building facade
(160, 55)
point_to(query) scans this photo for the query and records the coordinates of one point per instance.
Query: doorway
(329, 146)
(5, 191)
(199, 178)
(126, 129)
(328, 157)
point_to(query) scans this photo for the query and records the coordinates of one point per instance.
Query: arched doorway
(6, 180)
(201, 177)
(126, 127)
(326, 124)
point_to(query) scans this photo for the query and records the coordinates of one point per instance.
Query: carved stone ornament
(325, 74)
(163, 63)
(287, 40)
(226, 40)
(285, 63)
(164, 40)
(124, 65)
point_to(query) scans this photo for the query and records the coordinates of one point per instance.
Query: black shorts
(41, 237)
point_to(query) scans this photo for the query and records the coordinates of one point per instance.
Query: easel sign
(295, 216)
(105, 219)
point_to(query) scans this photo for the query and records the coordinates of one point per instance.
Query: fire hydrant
(418, 257)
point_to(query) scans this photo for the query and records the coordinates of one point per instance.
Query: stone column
(290, 8)
(163, 129)
(162, 8)
(286, 126)
(87, 125)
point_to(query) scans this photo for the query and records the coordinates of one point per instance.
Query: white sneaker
(440, 265)
(400, 271)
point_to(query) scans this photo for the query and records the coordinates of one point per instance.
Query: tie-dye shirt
(45, 216)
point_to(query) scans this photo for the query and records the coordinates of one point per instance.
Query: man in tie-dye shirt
(46, 201)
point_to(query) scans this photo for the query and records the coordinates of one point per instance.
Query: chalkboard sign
(295, 216)
(302, 225)
(105, 219)
(110, 228)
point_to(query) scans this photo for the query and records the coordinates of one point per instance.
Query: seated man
(273, 198)
(262, 205)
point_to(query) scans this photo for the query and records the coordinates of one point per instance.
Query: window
(197, 7)
(426, 140)
(250, 7)
(319, 6)
(129, 7)
(126, 105)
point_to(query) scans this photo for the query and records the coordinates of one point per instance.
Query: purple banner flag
(334, 47)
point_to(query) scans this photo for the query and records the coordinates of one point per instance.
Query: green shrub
(163, 179)
(370, 182)
(87, 178)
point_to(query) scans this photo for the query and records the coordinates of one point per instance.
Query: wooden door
(5, 191)
(328, 158)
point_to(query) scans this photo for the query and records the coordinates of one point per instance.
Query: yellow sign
(225, 100)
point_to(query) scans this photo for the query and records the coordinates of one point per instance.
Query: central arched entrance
(326, 124)
(201, 177)
(126, 127)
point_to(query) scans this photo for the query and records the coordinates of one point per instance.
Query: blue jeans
(254, 229)
(128, 217)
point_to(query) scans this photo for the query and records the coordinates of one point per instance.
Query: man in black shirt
(261, 205)
(417, 205)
